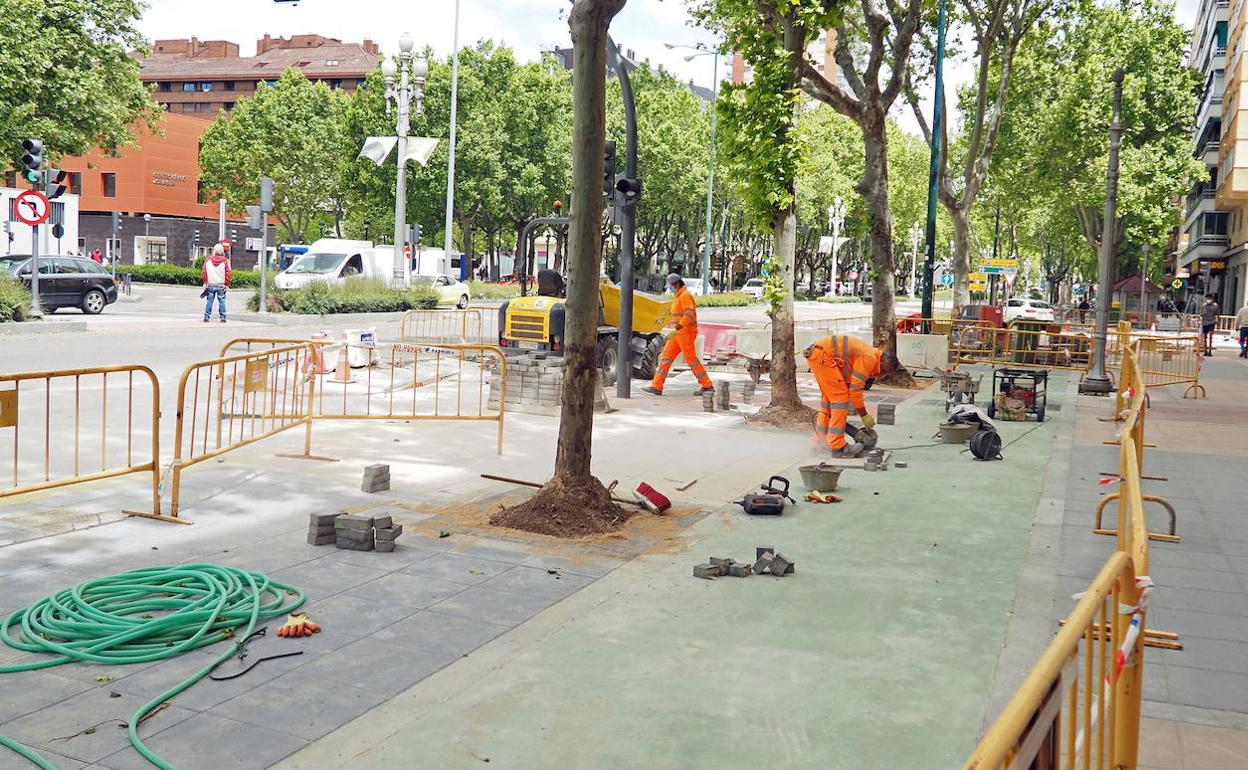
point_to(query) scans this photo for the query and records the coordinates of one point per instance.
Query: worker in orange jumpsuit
(845, 367)
(685, 319)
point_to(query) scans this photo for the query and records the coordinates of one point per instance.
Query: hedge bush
(841, 299)
(179, 275)
(729, 299)
(482, 290)
(357, 296)
(14, 300)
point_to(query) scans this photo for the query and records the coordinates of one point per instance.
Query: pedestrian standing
(1209, 313)
(1084, 307)
(1241, 323)
(685, 319)
(216, 277)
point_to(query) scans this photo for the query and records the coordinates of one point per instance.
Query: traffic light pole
(35, 310)
(628, 225)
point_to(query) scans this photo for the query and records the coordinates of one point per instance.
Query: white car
(1022, 309)
(754, 288)
(450, 291)
(694, 285)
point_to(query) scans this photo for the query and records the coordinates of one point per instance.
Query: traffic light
(116, 223)
(32, 160)
(57, 183)
(629, 190)
(417, 231)
(608, 168)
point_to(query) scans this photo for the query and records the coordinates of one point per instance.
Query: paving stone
(349, 545)
(378, 668)
(503, 607)
(347, 617)
(39, 689)
(384, 546)
(456, 568)
(405, 555)
(301, 705)
(1208, 689)
(389, 533)
(1217, 748)
(594, 566)
(354, 521)
(83, 711)
(322, 539)
(384, 522)
(321, 580)
(497, 550)
(1209, 625)
(532, 580)
(210, 742)
(269, 556)
(1200, 601)
(323, 519)
(439, 634)
(408, 590)
(208, 692)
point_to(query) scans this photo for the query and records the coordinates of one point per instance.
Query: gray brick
(382, 522)
(389, 533)
(321, 539)
(721, 562)
(383, 486)
(762, 549)
(740, 570)
(351, 545)
(763, 564)
(780, 566)
(706, 571)
(354, 521)
(385, 546)
(377, 468)
(322, 519)
(327, 530)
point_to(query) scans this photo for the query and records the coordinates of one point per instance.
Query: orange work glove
(298, 625)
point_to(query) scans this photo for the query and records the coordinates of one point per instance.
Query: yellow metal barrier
(1079, 706)
(832, 325)
(229, 402)
(48, 445)
(1162, 359)
(1050, 348)
(414, 381)
(473, 326)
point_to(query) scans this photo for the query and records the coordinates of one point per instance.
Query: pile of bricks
(766, 559)
(354, 531)
(376, 478)
(534, 385)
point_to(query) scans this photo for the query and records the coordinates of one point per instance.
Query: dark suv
(65, 281)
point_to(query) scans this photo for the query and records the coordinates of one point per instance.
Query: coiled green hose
(140, 616)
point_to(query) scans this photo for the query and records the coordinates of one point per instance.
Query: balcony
(1204, 247)
(1199, 200)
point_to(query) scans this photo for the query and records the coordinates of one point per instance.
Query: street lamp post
(710, 158)
(1143, 284)
(450, 161)
(836, 218)
(916, 232)
(147, 228)
(411, 83)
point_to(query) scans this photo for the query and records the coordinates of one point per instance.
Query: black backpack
(986, 444)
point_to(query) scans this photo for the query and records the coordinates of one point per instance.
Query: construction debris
(354, 531)
(376, 478)
(766, 560)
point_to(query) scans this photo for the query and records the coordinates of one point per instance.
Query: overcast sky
(528, 26)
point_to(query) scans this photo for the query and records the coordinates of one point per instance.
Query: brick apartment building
(202, 77)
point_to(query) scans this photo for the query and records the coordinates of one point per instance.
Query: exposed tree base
(566, 509)
(900, 378)
(786, 416)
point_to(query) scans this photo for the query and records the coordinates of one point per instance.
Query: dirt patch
(563, 509)
(780, 417)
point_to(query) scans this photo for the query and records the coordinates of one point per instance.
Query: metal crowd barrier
(54, 445)
(832, 325)
(231, 401)
(1162, 359)
(1013, 346)
(1079, 706)
(462, 327)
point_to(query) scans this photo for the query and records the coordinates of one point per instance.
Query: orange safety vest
(855, 360)
(684, 311)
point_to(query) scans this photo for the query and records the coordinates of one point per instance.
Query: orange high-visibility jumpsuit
(841, 366)
(685, 317)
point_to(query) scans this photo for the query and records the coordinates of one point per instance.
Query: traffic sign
(1177, 283)
(979, 287)
(946, 279)
(1001, 262)
(997, 270)
(977, 277)
(31, 208)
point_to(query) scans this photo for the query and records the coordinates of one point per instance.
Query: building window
(110, 184)
(200, 196)
(188, 86)
(1220, 34)
(205, 86)
(166, 86)
(228, 85)
(207, 107)
(332, 62)
(335, 83)
(229, 106)
(75, 182)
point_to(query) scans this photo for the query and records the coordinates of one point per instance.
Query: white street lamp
(450, 159)
(836, 218)
(916, 232)
(411, 77)
(710, 162)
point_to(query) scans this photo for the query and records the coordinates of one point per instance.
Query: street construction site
(302, 544)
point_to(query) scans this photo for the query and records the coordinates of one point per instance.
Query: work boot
(851, 450)
(653, 390)
(704, 391)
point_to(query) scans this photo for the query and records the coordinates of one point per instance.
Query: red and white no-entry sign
(31, 208)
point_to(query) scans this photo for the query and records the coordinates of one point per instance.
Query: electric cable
(141, 616)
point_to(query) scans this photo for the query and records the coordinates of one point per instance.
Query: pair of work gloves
(297, 624)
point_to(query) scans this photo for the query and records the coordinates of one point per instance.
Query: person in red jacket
(216, 278)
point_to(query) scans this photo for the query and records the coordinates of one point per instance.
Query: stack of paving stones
(354, 531)
(321, 530)
(534, 385)
(376, 478)
(765, 560)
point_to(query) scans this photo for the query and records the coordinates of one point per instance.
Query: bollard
(708, 402)
(723, 395)
(747, 393)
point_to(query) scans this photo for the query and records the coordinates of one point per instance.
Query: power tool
(769, 499)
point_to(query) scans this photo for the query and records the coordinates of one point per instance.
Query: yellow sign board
(8, 408)
(979, 287)
(255, 375)
(977, 277)
(1001, 262)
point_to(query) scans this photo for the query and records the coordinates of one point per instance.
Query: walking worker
(1209, 313)
(845, 367)
(685, 319)
(1241, 323)
(216, 278)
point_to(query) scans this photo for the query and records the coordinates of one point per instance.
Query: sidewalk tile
(300, 705)
(439, 633)
(1159, 744)
(210, 742)
(381, 669)
(465, 570)
(1218, 602)
(351, 617)
(1203, 579)
(530, 580)
(319, 580)
(1209, 625)
(414, 591)
(39, 689)
(1208, 689)
(1213, 748)
(501, 607)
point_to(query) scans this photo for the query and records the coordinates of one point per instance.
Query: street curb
(42, 327)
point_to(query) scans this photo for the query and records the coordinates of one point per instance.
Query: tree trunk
(874, 189)
(589, 22)
(783, 365)
(961, 258)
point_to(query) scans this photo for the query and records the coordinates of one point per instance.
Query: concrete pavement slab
(416, 593)
(210, 742)
(300, 705)
(439, 634)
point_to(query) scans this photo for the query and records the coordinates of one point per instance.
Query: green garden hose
(141, 616)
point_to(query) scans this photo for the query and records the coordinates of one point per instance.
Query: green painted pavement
(878, 653)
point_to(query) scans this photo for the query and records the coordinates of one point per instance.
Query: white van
(334, 260)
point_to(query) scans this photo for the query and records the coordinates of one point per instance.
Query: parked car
(65, 281)
(1024, 309)
(753, 287)
(335, 261)
(694, 285)
(450, 291)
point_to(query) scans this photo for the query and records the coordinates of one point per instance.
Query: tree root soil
(562, 509)
(802, 419)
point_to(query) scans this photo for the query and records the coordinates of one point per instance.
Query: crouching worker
(845, 367)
